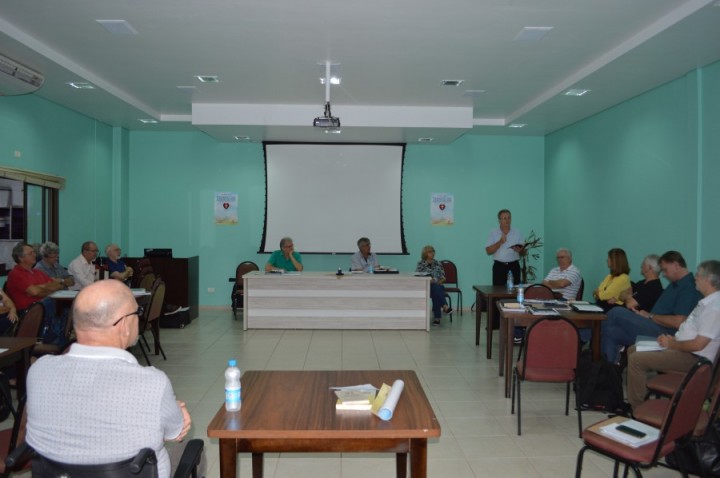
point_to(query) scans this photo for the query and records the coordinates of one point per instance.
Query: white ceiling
(392, 54)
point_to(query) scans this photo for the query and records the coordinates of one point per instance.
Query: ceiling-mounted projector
(17, 79)
(328, 120)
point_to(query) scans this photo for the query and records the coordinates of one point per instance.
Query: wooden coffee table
(294, 411)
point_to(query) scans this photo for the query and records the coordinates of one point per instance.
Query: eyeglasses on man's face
(138, 312)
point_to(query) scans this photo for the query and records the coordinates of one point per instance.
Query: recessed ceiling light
(147, 120)
(473, 93)
(333, 131)
(208, 78)
(242, 138)
(425, 140)
(117, 27)
(80, 85)
(532, 33)
(517, 125)
(451, 82)
(576, 92)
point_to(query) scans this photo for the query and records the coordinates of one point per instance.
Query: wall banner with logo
(226, 209)
(442, 209)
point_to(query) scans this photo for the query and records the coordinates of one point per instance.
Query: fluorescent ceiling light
(451, 82)
(334, 80)
(208, 78)
(242, 138)
(80, 85)
(333, 131)
(117, 27)
(147, 120)
(576, 92)
(517, 125)
(532, 33)
(425, 140)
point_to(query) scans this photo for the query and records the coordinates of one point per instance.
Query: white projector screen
(327, 196)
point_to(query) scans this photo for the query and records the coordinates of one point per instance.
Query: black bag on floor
(599, 385)
(176, 318)
(699, 451)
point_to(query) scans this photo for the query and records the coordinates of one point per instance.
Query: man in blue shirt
(285, 259)
(675, 303)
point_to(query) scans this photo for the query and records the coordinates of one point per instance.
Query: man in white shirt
(565, 278)
(96, 404)
(82, 267)
(698, 336)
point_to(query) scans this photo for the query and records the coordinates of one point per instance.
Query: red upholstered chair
(581, 290)
(539, 292)
(30, 323)
(550, 354)
(665, 384)
(10, 437)
(452, 286)
(678, 422)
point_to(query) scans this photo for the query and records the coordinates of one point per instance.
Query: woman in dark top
(646, 292)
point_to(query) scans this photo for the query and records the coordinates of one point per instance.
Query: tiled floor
(479, 435)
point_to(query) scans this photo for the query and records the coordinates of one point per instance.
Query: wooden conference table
(510, 320)
(16, 350)
(489, 294)
(294, 411)
(324, 300)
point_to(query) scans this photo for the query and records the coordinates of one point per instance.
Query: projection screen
(327, 196)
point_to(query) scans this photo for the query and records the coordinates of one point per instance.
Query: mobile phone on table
(631, 431)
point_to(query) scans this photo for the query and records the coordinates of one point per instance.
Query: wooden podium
(181, 276)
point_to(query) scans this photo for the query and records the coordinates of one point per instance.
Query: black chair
(238, 292)
(142, 465)
(151, 319)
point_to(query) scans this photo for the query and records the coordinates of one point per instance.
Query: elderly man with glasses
(96, 404)
(565, 278)
(82, 268)
(285, 258)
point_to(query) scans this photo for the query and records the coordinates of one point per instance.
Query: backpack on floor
(599, 385)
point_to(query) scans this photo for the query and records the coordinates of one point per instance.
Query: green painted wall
(55, 140)
(174, 177)
(641, 176)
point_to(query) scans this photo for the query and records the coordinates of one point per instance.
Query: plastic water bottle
(371, 268)
(509, 283)
(232, 387)
(520, 295)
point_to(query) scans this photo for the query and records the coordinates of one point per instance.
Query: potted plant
(532, 253)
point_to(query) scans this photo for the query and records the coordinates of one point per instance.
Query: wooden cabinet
(181, 276)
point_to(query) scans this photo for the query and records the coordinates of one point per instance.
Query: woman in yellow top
(608, 293)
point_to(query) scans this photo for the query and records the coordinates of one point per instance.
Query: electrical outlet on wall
(211, 290)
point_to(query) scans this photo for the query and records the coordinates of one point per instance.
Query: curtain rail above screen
(328, 195)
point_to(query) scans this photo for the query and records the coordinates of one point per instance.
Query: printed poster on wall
(441, 209)
(226, 209)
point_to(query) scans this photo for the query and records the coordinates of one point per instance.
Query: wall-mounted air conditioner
(17, 79)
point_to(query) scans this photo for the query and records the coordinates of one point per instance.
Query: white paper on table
(388, 407)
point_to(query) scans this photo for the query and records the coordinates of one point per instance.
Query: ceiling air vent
(16, 79)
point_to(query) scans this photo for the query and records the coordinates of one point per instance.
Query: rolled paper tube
(386, 411)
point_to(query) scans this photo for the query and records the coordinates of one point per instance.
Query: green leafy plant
(533, 243)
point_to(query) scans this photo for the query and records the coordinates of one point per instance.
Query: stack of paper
(361, 399)
(631, 432)
(645, 343)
